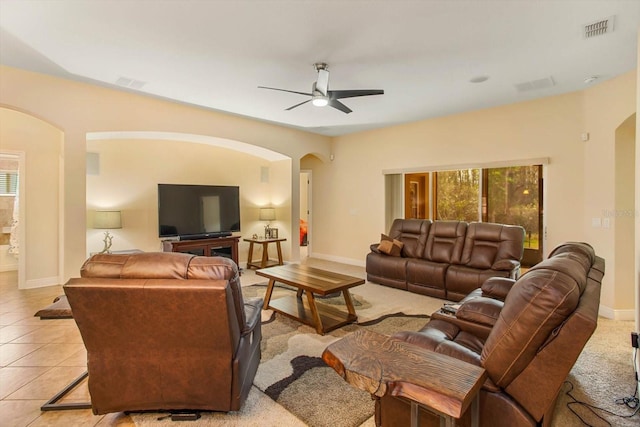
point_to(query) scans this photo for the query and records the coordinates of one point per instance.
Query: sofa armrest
(497, 287)
(482, 310)
(252, 311)
(510, 265)
(374, 248)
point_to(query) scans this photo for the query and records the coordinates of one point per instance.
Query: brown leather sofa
(447, 259)
(165, 331)
(534, 338)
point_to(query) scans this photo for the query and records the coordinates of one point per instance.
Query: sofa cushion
(387, 270)
(390, 246)
(426, 277)
(445, 338)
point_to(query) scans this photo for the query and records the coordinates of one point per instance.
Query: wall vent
(544, 83)
(598, 28)
(130, 83)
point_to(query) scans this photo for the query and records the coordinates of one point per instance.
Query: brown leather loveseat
(165, 331)
(534, 338)
(446, 259)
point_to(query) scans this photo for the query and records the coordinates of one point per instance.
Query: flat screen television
(198, 211)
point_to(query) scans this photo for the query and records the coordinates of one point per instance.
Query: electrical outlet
(634, 340)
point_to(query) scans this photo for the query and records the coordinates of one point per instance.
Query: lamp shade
(107, 219)
(267, 214)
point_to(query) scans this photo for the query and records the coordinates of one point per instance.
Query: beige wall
(131, 169)
(42, 145)
(348, 192)
(637, 204)
(579, 180)
(77, 109)
(624, 216)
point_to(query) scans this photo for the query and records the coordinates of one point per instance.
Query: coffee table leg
(415, 414)
(314, 312)
(267, 296)
(349, 302)
(475, 411)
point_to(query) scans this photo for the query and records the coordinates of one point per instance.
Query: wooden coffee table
(311, 281)
(384, 365)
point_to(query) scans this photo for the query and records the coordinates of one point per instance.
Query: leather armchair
(528, 346)
(165, 331)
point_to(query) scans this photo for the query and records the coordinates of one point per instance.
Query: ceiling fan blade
(297, 105)
(285, 90)
(339, 105)
(322, 84)
(339, 94)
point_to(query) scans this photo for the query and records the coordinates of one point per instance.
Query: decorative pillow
(390, 246)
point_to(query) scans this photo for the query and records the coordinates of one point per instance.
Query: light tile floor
(40, 357)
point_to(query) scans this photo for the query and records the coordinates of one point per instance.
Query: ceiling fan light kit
(320, 94)
(320, 100)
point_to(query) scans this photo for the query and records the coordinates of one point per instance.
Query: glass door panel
(456, 194)
(416, 195)
(514, 196)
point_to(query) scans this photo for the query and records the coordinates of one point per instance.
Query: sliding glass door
(509, 195)
(514, 196)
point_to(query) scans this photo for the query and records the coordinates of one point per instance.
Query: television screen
(198, 210)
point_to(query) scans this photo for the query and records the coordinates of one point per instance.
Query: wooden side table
(265, 261)
(380, 364)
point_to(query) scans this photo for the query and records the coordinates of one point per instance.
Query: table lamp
(109, 220)
(267, 214)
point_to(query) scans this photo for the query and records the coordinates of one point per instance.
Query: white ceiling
(422, 53)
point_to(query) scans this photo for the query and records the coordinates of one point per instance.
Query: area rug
(293, 374)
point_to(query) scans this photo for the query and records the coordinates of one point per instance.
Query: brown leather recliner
(527, 344)
(165, 331)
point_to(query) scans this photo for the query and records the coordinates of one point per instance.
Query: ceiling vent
(545, 83)
(598, 28)
(130, 83)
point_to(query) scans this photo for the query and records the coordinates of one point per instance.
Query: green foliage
(512, 197)
(457, 194)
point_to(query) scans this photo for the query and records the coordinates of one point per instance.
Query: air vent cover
(598, 28)
(545, 83)
(130, 83)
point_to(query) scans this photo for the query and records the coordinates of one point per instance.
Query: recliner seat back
(492, 246)
(445, 241)
(543, 327)
(165, 331)
(412, 233)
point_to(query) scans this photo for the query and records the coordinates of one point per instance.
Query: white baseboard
(610, 313)
(341, 260)
(42, 282)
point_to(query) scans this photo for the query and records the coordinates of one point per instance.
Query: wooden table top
(379, 364)
(252, 240)
(310, 279)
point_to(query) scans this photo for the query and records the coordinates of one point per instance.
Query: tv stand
(203, 236)
(218, 246)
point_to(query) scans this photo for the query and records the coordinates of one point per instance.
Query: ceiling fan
(322, 96)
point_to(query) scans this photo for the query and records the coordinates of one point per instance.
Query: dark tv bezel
(203, 235)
